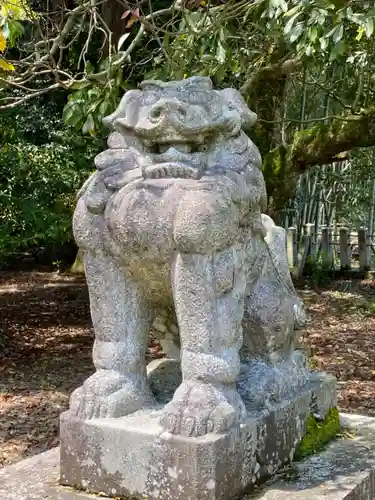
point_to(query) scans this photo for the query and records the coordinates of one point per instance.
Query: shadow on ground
(46, 342)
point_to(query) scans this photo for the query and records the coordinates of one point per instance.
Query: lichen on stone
(318, 434)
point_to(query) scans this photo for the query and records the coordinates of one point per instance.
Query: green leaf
(118, 79)
(283, 5)
(323, 43)
(289, 24)
(15, 30)
(72, 114)
(220, 74)
(313, 34)
(338, 50)
(360, 33)
(89, 125)
(296, 32)
(357, 18)
(369, 26)
(220, 53)
(93, 93)
(105, 108)
(292, 11)
(321, 16)
(337, 35)
(92, 106)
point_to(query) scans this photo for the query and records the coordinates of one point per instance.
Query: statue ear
(126, 111)
(236, 101)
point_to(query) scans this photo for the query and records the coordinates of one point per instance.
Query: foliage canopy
(304, 66)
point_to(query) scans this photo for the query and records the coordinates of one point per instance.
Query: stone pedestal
(132, 456)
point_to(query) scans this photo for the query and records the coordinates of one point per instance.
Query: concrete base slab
(132, 456)
(344, 471)
(37, 478)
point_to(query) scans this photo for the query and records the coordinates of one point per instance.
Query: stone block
(344, 471)
(134, 456)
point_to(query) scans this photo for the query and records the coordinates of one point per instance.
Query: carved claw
(198, 409)
(108, 395)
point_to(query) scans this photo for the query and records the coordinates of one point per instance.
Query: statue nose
(169, 110)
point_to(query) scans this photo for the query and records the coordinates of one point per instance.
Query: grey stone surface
(344, 471)
(174, 238)
(133, 455)
(37, 478)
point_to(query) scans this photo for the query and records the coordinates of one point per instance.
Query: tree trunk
(264, 93)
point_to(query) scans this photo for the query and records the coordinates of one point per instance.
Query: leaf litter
(46, 342)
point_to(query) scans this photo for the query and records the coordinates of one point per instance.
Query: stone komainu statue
(173, 234)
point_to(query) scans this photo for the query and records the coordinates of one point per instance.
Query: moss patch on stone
(318, 434)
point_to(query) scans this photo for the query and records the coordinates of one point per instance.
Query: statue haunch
(171, 227)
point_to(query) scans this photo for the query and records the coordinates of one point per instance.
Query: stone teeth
(184, 148)
(178, 146)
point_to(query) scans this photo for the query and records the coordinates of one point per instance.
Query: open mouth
(178, 158)
(183, 147)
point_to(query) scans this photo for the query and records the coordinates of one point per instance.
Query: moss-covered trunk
(264, 92)
(319, 145)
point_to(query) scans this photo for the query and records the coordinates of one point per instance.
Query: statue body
(174, 238)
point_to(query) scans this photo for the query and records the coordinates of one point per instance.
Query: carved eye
(155, 112)
(182, 113)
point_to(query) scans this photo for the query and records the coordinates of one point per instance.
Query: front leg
(209, 290)
(121, 321)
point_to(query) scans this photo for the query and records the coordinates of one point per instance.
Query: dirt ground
(46, 341)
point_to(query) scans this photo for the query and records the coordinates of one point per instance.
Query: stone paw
(109, 394)
(199, 408)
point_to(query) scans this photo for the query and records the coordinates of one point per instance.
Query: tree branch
(326, 143)
(60, 38)
(321, 144)
(27, 97)
(42, 64)
(271, 72)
